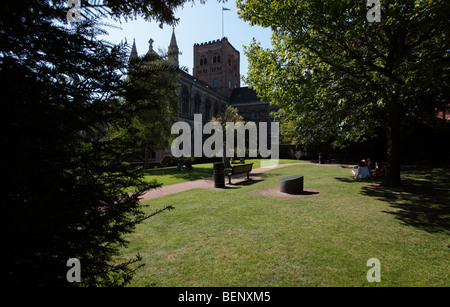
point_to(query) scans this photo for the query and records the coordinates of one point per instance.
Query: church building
(215, 84)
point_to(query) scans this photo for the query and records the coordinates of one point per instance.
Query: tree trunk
(394, 147)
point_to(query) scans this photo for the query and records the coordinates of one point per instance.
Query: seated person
(379, 170)
(363, 171)
(179, 166)
(349, 166)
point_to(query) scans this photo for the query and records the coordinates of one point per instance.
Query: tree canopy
(229, 115)
(68, 191)
(154, 80)
(160, 11)
(338, 76)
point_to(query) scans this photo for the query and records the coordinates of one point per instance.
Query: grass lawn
(235, 237)
(169, 175)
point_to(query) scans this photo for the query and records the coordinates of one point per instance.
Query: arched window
(216, 108)
(185, 101)
(207, 114)
(197, 104)
(229, 84)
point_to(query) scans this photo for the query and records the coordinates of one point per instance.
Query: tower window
(201, 61)
(218, 58)
(216, 83)
(229, 84)
(214, 59)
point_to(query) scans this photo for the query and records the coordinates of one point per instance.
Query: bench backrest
(239, 169)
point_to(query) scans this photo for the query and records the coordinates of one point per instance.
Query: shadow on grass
(245, 182)
(227, 187)
(351, 179)
(423, 200)
(271, 174)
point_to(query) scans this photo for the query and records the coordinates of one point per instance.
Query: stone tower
(217, 63)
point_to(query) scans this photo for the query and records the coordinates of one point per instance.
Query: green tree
(230, 115)
(337, 76)
(155, 81)
(66, 108)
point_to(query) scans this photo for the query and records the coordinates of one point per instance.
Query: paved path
(201, 183)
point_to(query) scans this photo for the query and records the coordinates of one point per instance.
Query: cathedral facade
(214, 85)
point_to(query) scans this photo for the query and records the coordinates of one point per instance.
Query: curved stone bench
(292, 184)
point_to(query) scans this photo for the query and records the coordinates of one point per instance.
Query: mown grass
(235, 237)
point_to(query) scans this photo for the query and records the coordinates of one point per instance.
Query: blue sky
(198, 23)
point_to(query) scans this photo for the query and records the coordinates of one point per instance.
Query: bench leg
(229, 179)
(248, 175)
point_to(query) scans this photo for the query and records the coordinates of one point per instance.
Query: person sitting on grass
(363, 171)
(179, 166)
(353, 165)
(379, 170)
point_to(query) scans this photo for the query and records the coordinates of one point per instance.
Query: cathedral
(214, 85)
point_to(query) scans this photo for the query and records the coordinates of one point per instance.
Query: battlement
(211, 42)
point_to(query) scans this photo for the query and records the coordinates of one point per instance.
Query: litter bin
(219, 175)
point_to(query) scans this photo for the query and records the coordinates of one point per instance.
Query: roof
(243, 95)
(134, 53)
(200, 83)
(173, 40)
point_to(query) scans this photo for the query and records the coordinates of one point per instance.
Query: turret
(134, 54)
(173, 49)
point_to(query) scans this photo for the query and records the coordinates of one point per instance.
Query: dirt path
(203, 183)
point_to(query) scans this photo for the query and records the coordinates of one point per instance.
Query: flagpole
(224, 9)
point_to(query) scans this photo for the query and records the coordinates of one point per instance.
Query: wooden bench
(239, 169)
